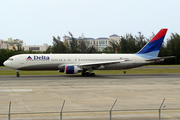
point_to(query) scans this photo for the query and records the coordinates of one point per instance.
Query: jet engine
(71, 69)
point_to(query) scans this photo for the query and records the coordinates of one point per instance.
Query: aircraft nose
(5, 63)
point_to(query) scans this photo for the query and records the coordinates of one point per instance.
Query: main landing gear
(84, 73)
(88, 74)
(17, 73)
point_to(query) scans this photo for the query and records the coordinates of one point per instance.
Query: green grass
(138, 71)
(3, 67)
(161, 65)
(130, 71)
(13, 72)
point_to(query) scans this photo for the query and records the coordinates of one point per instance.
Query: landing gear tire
(17, 75)
(83, 73)
(87, 74)
(92, 74)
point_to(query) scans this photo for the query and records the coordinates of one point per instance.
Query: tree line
(75, 46)
(127, 44)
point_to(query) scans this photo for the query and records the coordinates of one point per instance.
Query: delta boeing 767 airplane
(75, 63)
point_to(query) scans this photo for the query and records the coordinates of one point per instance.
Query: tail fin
(153, 47)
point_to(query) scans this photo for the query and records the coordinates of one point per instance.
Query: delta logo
(29, 58)
(38, 57)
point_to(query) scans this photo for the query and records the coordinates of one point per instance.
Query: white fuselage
(55, 61)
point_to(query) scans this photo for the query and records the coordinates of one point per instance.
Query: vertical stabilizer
(153, 47)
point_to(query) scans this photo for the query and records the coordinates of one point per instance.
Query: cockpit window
(11, 59)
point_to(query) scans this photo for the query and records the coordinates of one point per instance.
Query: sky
(36, 21)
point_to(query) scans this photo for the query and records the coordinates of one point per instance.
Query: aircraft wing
(98, 64)
(160, 58)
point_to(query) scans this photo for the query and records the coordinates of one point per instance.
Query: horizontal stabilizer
(160, 58)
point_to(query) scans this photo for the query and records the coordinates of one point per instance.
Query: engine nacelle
(71, 69)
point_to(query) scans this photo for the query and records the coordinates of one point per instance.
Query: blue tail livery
(153, 47)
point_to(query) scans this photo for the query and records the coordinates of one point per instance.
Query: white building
(35, 47)
(115, 37)
(99, 43)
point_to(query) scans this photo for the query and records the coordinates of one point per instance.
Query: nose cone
(5, 63)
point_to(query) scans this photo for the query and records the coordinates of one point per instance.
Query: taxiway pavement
(138, 96)
(143, 67)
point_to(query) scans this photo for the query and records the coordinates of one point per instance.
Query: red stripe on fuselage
(159, 35)
(66, 68)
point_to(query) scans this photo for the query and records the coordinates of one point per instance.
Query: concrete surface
(143, 67)
(138, 97)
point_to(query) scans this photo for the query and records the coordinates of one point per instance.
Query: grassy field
(160, 65)
(138, 71)
(3, 67)
(130, 71)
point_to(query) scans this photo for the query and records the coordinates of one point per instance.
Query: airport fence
(150, 114)
(172, 113)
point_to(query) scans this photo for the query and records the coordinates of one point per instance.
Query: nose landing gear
(17, 73)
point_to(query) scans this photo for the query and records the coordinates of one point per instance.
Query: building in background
(36, 47)
(16, 44)
(115, 37)
(99, 43)
(11, 44)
